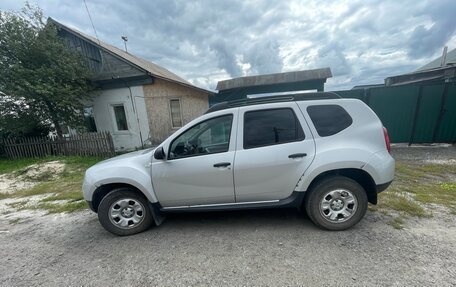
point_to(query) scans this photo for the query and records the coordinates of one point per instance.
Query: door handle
(296, 155)
(222, 164)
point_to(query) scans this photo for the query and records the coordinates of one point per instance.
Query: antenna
(90, 17)
(125, 38)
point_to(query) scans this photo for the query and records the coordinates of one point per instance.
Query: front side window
(329, 119)
(270, 127)
(120, 117)
(208, 137)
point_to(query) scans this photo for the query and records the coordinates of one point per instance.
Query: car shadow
(238, 218)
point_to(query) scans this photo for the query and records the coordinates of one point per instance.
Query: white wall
(135, 111)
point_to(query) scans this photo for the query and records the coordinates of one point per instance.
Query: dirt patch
(30, 176)
(10, 184)
(20, 209)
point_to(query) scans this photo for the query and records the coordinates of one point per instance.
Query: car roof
(273, 99)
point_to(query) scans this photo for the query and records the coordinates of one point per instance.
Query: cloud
(426, 39)
(206, 41)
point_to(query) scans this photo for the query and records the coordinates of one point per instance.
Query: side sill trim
(218, 205)
(294, 200)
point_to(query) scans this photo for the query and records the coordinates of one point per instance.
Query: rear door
(274, 147)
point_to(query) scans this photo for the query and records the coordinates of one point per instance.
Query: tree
(18, 120)
(41, 76)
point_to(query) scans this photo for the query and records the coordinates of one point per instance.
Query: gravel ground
(427, 154)
(251, 248)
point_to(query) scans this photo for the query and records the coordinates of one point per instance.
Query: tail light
(387, 139)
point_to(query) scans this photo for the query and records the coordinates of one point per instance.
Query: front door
(199, 165)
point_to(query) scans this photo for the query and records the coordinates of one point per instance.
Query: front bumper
(91, 205)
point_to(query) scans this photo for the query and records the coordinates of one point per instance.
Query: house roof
(153, 69)
(273, 79)
(432, 71)
(435, 64)
(368, 86)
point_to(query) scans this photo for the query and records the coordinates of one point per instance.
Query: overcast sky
(209, 40)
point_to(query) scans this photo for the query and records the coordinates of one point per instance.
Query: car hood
(127, 157)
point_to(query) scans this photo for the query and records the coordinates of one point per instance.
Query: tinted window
(329, 119)
(269, 127)
(210, 136)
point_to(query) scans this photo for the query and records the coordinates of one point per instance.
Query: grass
(16, 165)
(8, 165)
(18, 205)
(397, 223)
(66, 187)
(415, 189)
(402, 203)
(14, 221)
(72, 196)
(431, 184)
(67, 207)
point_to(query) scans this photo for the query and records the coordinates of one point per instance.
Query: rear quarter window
(329, 119)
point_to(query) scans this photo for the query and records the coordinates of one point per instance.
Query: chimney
(444, 54)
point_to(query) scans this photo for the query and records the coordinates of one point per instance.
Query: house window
(121, 118)
(176, 116)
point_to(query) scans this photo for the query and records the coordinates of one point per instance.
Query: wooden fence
(86, 144)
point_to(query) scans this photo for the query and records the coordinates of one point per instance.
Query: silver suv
(327, 155)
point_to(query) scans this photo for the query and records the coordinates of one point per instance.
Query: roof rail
(273, 99)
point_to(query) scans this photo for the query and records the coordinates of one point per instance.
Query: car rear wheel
(336, 203)
(124, 212)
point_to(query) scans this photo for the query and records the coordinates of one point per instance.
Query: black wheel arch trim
(359, 175)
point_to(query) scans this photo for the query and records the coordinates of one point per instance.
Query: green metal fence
(413, 113)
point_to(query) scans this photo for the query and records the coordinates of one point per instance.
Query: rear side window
(329, 119)
(270, 127)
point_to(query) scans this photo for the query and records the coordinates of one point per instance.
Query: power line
(90, 17)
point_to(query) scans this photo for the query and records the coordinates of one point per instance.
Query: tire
(124, 211)
(336, 203)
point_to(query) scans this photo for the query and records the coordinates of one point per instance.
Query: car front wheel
(336, 203)
(124, 212)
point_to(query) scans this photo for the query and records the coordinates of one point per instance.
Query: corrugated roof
(154, 69)
(279, 78)
(435, 64)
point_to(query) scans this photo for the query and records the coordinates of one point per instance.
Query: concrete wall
(135, 110)
(157, 95)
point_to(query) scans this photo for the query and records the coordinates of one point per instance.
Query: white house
(139, 102)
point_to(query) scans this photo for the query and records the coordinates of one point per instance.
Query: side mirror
(159, 153)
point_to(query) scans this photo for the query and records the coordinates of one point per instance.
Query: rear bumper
(383, 186)
(381, 167)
